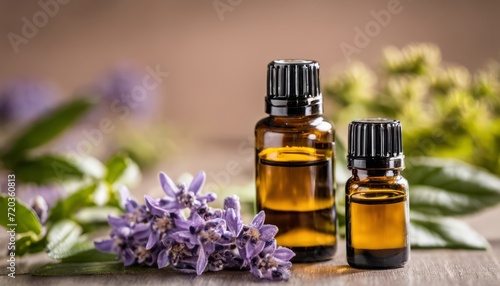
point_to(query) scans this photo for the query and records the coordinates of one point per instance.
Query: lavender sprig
(158, 233)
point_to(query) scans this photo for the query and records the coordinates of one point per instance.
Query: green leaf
(45, 169)
(115, 165)
(91, 215)
(92, 268)
(67, 207)
(83, 244)
(48, 127)
(66, 242)
(29, 244)
(23, 244)
(88, 165)
(95, 227)
(427, 232)
(448, 187)
(101, 194)
(15, 214)
(434, 201)
(121, 170)
(62, 238)
(90, 255)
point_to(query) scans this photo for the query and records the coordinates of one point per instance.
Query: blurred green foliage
(446, 110)
(449, 117)
(91, 188)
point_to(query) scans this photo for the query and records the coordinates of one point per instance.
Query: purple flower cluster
(180, 230)
(23, 100)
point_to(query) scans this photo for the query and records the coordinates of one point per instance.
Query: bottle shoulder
(304, 123)
(263, 123)
(307, 131)
(396, 183)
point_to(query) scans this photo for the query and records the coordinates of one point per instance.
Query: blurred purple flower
(23, 100)
(50, 194)
(39, 205)
(124, 86)
(40, 198)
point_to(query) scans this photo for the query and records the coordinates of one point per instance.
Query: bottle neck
(363, 174)
(307, 106)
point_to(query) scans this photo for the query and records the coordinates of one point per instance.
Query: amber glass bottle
(295, 158)
(376, 196)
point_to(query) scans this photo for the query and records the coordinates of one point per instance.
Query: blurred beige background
(216, 58)
(217, 65)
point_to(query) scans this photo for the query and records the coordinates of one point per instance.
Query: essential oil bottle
(295, 155)
(376, 196)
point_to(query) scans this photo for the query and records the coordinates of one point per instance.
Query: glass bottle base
(378, 259)
(313, 253)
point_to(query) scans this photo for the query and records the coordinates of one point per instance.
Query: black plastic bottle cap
(375, 143)
(293, 88)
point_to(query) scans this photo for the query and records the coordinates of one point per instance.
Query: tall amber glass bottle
(376, 196)
(295, 155)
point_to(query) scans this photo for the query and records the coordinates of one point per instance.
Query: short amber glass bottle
(295, 162)
(376, 196)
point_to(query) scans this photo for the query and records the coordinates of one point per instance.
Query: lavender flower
(253, 238)
(272, 263)
(130, 233)
(180, 255)
(136, 213)
(161, 222)
(157, 233)
(184, 197)
(224, 257)
(232, 215)
(205, 234)
(233, 202)
(129, 242)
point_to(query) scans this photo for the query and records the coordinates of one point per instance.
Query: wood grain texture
(426, 267)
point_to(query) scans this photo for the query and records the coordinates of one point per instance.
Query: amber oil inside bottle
(377, 219)
(295, 184)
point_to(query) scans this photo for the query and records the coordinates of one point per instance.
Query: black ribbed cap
(375, 143)
(293, 88)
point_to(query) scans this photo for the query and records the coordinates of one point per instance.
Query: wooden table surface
(426, 267)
